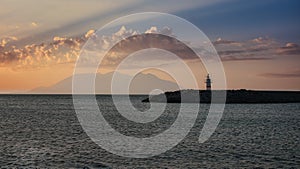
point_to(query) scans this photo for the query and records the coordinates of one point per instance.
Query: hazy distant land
(103, 84)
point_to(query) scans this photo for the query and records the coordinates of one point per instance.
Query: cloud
(89, 33)
(59, 50)
(164, 31)
(289, 49)
(292, 74)
(145, 41)
(66, 49)
(260, 40)
(34, 24)
(127, 41)
(167, 31)
(220, 41)
(241, 52)
(232, 58)
(261, 48)
(153, 29)
(6, 40)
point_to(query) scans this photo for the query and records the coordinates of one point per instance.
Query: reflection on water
(43, 132)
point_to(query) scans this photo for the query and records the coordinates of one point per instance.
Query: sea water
(42, 131)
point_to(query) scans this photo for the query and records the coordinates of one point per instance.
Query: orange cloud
(6, 40)
(66, 49)
(34, 24)
(60, 50)
(89, 33)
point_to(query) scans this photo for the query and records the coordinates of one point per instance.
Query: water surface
(42, 131)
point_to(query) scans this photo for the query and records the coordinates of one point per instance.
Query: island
(231, 96)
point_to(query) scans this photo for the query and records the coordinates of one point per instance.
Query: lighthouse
(208, 82)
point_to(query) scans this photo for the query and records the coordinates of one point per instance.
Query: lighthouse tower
(208, 82)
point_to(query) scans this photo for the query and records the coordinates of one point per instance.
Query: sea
(43, 131)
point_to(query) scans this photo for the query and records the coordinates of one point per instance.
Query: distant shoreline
(241, 96)
(232, 96)
(67, 94)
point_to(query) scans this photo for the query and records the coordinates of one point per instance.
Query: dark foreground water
(43, 132)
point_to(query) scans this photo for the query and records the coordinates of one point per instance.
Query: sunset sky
(258, 41)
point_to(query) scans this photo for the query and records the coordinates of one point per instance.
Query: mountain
(141, 84)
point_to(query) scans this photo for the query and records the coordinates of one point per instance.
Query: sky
(257, 41)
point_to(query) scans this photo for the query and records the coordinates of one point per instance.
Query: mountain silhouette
(140, 84)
